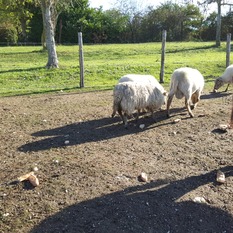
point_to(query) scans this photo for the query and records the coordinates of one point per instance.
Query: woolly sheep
(145, 78)
(140, 78)
(186, 82)
(227, 77)
(130, 96)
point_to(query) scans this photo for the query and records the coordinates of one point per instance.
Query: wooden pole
(164, 35)
(228, 52)
(231, 121)
(81, 60)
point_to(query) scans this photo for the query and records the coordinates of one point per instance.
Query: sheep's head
(165, 94)
(218, 83)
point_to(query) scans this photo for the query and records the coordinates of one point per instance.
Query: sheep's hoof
(191, 115)
(192, 107)
(168, 116)
(125, 125)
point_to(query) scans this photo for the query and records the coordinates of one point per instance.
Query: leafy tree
(19, 14)
(191, 22)
(97, 26)
(151, 27)
(208, 29)
(8, 32)
(115, 26)
(133, 12)
(227, 24)
(81, 18)
(180, 22)
(35, 26)
(219, 3)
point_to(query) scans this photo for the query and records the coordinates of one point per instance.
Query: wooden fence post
(228, 52)
(231, 120)
(81, 61)
(164, 35)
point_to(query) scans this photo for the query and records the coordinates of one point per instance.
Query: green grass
(22, 68)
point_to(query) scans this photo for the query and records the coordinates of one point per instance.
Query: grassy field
(22, 69)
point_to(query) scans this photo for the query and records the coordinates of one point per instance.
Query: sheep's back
(138, 78)
(187, 79)
(136, 95)
(227, 76)
(143, 79)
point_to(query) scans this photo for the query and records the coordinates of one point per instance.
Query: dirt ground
(88, 166)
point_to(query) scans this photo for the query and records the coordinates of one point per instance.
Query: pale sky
(107, 4)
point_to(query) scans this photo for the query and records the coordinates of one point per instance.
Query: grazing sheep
(130, 96)
(186, 82)
(145, 78)
(227, 77)
(140, 78)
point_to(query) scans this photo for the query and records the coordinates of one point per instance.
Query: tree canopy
(22, 21)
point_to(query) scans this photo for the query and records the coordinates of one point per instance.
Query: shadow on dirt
(89, 131)
(152, 207)
(216, 95)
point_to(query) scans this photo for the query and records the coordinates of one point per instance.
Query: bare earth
(89, 166)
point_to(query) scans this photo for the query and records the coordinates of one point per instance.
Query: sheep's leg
(195, 99)
(187, 105)
(170, 97)
(120, 113)
(116, 108)
(124, 117)
(113, 113)
(227, 87)
(153, 116)
(137, 116)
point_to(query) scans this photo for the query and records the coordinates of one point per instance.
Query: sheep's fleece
(130, 96)
(186, 82)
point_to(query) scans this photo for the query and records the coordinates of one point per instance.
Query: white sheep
(186, 82)
(139, 78)
(226, 77)
(145, 78)
(133, 96)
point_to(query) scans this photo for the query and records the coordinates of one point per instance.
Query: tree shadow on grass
(85, 132)
(190, 49)
(20, 70)
(151, 208)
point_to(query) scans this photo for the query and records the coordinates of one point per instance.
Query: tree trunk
(23, 22)
(49, 35)
(218, 29)
(231, 121)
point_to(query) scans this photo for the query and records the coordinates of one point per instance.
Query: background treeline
(183, 23)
